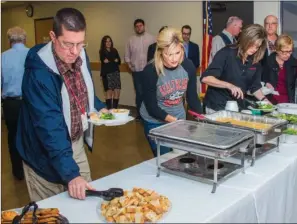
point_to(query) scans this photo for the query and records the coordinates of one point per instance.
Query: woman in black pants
(110, 72)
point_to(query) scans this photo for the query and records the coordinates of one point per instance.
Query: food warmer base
(261, 150)
(200, 168)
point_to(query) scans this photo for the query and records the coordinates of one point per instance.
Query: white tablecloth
(267, 192)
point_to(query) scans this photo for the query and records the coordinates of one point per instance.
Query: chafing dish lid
(211, 135)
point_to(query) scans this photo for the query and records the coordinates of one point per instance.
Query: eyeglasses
(275, 23)
(286, 52)
(68, 46)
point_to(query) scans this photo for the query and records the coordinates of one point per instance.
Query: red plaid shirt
(75, 84)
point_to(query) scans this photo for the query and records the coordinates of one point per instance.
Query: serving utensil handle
(200, 116)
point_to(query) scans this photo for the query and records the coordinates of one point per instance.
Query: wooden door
(42, 29)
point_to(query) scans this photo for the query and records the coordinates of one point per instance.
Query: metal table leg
(242, 162)
(254, 153)
(215, 176)
(158, 159)
(277, 144)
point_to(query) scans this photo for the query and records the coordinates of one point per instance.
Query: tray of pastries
(136, 206)
(43, 215)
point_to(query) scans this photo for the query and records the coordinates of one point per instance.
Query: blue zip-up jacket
(43, 138)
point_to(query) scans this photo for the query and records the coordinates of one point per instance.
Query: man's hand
(116, 60)
(77, 188)
(105, 60)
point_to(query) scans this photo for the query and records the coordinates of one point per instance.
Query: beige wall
(265, 8)
(113, 18)
(116, 19)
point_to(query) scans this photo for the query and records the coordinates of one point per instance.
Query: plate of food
(136, 206)
(43, 215)
(263, 106)
(113, 118)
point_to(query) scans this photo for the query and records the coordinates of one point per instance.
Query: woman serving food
(166, 80)
(235, 69)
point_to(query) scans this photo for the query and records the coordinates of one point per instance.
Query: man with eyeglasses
(191, 49)
(271, 26)
(58, 92)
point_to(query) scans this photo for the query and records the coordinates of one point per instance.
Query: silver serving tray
(291, 139)
(210, 135)
(274, 122)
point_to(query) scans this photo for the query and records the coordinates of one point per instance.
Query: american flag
(207, 39)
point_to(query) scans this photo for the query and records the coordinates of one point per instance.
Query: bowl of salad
(289, 134)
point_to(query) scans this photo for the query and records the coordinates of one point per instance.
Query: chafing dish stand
(203, 139)
(262, 136)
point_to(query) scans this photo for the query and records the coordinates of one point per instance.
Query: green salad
(289, 117)
(106, 116)
(265, 106)
(290, 131)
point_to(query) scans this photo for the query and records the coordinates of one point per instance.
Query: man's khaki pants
(40, 188)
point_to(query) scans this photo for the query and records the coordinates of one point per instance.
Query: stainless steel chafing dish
(207, 140)
(262, 135)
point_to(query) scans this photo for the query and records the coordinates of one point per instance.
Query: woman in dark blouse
(236, 69)
(280, 71)
(110, 72)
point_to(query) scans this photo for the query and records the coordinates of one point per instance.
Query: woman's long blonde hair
(249, 36)
(167, 39)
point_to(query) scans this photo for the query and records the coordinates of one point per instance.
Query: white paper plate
(114, 122)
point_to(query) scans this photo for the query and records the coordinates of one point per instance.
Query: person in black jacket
(280, 71)
(110, 72)
(152, 47)
(235, 69)
(191, 49)
(166, 80)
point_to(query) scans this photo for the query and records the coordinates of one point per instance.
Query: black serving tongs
(18, 218)
(252, 103)
(107, 195)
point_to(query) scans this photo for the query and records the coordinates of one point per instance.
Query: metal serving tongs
(107, 195)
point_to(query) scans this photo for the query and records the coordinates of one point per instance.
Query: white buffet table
(267, 192)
